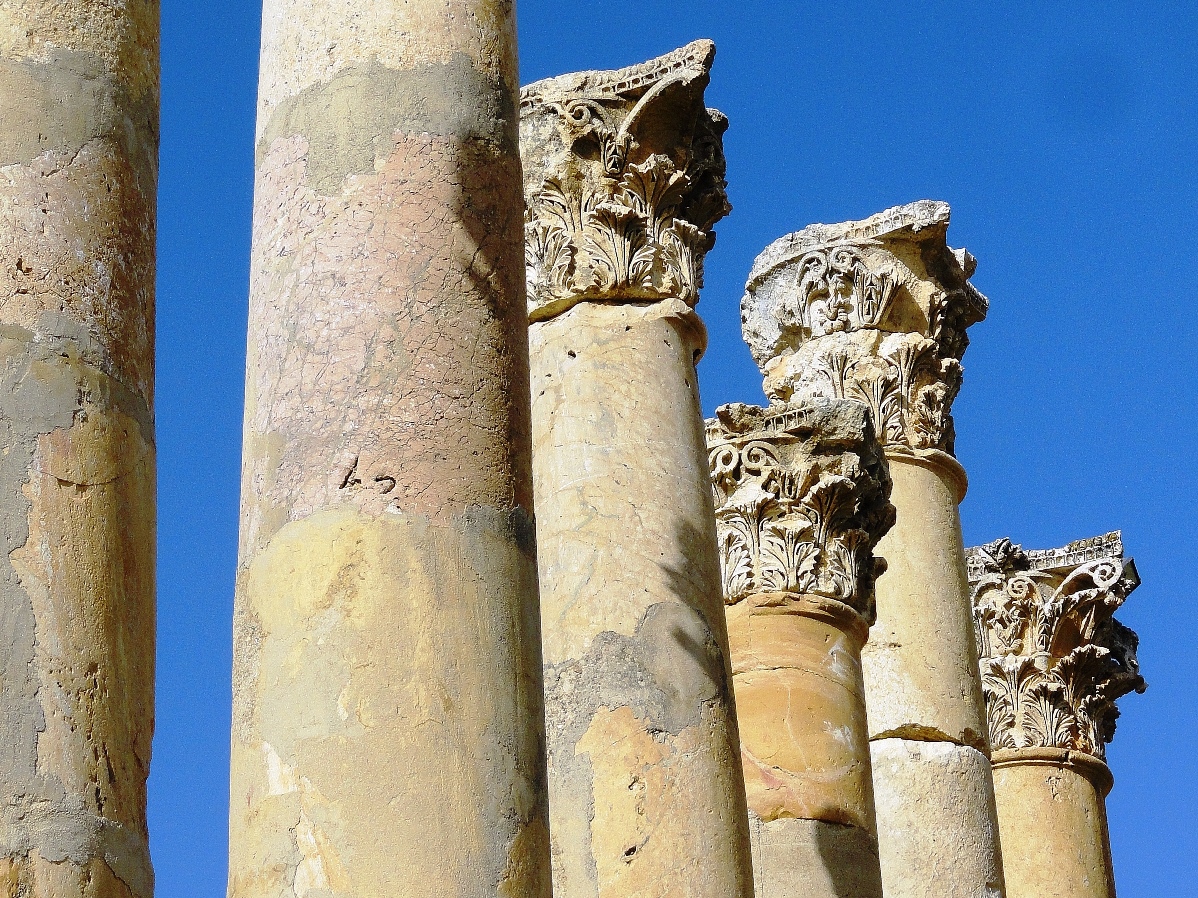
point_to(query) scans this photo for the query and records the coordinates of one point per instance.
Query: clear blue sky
(1065, 136)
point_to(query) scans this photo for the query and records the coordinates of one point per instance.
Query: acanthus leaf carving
(624, 182)
(796, 511)
(1054, 660)
(874, 311)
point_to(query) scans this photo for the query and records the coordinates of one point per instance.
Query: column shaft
(388, 728)
(645, 792)
(78, 182)
(805, 752)
(927, 725)
(1052, 817)
(924, 613)
(623, 181)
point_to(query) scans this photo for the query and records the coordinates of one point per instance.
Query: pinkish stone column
(388, 723)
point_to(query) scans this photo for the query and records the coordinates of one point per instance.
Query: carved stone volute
(1054, 660)
(802, 496)
(623, 182)
(875, 310)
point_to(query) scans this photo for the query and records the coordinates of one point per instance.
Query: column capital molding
(802, 496)
(1054, 660)
(623, 182)
(874, 310)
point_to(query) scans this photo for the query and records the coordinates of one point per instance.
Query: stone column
(876, 310)
(78, 182)
(1054, 662)
(623, 182)
(801, 499)
(388, 717)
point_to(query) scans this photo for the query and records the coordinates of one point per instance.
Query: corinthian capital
(873, 310)
(1054, 660)
(802, 496)
(623, 181)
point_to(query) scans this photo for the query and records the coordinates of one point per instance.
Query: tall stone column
(1054, 662)
(624, 178)
(388, 717)
(78, 182)
(876, 310)
(801, 500)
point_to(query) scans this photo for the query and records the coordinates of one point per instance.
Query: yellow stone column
(801, 500)
(388, 715)
(876, 311)
(623, 182)
(78, 184)
(1054, 662)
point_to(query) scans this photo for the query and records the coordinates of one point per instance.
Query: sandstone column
(78, 180)
(388, 719)
(876, 310)
(801, 500)
(623, 182)
(1054, 662)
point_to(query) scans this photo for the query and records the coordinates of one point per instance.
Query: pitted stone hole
(630, 852)
(571, 353)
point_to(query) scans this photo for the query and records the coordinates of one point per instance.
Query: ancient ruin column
(1054, 662)
(801, 500)
(78, 181)
(388, 719)
(623, 182)
(876, 311)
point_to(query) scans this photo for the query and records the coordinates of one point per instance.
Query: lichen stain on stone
(348, 122)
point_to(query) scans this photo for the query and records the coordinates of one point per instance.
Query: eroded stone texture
(387, 734)
(1053, 827)
(877, 311)
(940, 796)
(78, 176)
(801, 497)
(623, 180)
(1054, 662)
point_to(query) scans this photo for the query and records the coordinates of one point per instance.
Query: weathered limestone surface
(78, 180)
(801, 500)
(388, 729)
(1054, 662)
(1053, 827)
(623, 181)
(877, 311)
(940, 797)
